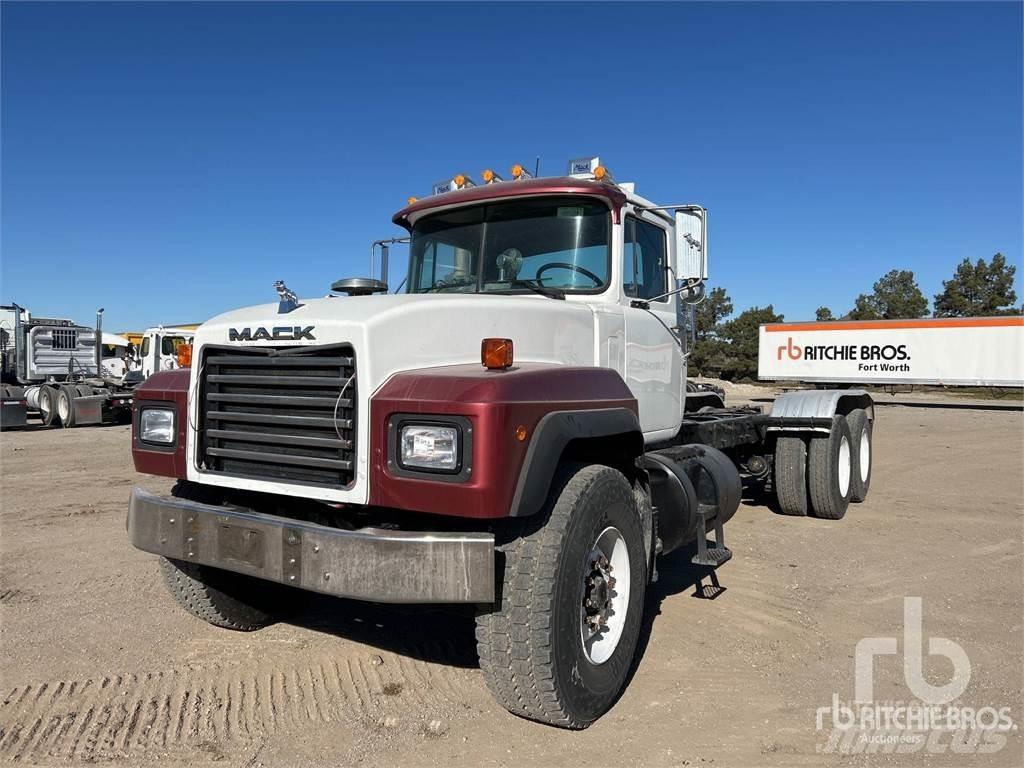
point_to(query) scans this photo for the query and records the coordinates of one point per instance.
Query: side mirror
(691, 243)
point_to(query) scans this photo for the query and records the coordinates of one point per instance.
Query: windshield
(559, 243)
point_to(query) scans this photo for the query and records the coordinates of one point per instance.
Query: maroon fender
(505, 411)
(166, 388)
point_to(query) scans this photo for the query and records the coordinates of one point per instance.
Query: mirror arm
(690, 285)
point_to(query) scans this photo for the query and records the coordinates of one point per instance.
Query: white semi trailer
(962, 351)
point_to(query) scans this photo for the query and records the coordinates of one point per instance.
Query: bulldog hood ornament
(288, 301)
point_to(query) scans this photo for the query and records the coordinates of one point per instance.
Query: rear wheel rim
(63, 408)
(865, 456)
(44, 405)
(844, 466)
(605, 596)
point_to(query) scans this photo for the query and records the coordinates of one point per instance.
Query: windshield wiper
(442, 286)
(535, 286)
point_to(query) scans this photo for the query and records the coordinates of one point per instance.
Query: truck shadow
(440, 634)
(444, 634)
(676, 574)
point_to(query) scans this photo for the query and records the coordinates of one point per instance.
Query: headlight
(429, 447)
(156, 425)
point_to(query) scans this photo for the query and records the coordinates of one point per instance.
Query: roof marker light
(489, 176)
(519, 173)
(410, 200)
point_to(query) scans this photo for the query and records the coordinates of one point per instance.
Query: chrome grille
(279, 414)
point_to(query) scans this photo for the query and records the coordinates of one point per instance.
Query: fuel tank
(686, 480)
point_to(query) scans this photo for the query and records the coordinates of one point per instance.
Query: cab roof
(613, 196)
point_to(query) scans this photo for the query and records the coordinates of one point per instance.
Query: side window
(443, 264)
(644, 260)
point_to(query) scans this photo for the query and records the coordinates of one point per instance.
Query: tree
(738, 355)
(823, 314)
(715, 307)
(894, 296)
(978, 289)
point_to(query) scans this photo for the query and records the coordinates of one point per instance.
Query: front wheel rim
(605, 596)
(844, 466)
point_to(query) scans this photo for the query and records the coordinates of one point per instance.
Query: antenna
(536, 168)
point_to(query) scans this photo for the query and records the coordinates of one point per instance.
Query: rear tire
(830, 471)
(66, 405)
(790, 478)
(860, 434)
(47, 405)
(538, 653)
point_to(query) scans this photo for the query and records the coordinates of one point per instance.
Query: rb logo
(795, 353)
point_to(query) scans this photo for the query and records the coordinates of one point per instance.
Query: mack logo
(278, 333)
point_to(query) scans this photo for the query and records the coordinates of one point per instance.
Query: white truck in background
(164, 349)
(962, 351)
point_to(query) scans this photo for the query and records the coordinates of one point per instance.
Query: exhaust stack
(99, 342)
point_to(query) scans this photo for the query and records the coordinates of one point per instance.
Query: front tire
(545, 652)
(218, 597)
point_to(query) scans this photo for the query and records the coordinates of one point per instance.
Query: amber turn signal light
(496, 354)
(184, 355)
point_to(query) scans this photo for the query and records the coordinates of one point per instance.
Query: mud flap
(88, 410)
(13, 413)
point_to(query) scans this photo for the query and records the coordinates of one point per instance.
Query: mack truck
(512, 430)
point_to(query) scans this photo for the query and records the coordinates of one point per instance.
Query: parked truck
(56, 368)
(513, 431)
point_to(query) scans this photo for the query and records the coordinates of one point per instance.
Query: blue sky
(170, 161)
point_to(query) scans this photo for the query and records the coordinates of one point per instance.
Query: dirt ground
(98, 665)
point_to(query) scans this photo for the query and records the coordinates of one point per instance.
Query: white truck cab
(160, 347)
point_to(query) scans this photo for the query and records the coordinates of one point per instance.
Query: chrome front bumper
(373, 564)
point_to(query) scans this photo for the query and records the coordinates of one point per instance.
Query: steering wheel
(573, 267)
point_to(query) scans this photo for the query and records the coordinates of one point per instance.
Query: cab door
(149, 353)
(654, 358)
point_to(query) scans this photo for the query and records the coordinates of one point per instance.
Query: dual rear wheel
(822, 474)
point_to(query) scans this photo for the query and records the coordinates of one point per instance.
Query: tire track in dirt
(172, 710)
